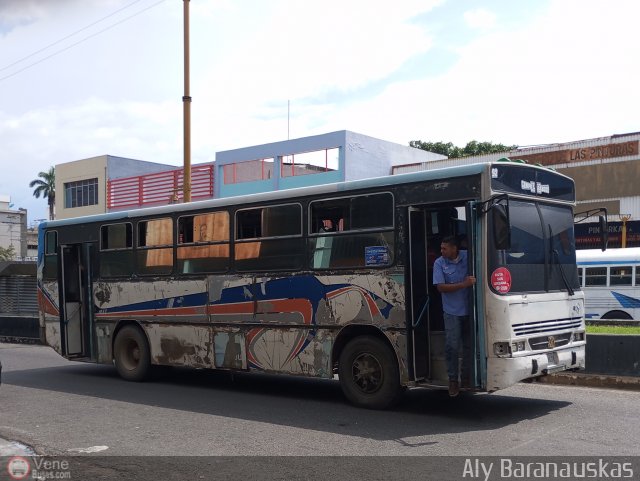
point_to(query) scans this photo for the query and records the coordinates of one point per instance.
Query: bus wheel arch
(617, 314)
(368, 367)
(131, 351)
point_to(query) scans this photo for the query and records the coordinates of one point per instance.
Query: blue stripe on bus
(626, 301)
(190, 300)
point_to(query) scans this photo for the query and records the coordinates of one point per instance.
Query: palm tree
(46, 186)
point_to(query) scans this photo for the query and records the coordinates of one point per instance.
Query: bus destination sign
(521, 179)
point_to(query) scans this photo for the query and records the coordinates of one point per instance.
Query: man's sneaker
(454, 389)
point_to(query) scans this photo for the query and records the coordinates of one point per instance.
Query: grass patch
(613, 329)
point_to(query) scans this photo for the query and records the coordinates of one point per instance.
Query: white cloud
(480, 18)
(570, 73)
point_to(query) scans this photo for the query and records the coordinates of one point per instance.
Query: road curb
(592, 380)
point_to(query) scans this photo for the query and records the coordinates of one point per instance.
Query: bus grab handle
(424, 308)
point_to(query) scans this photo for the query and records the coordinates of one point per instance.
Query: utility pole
(186, 103)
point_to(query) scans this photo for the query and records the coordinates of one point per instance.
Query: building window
(247, 171)
(305, 163)
(81, 193)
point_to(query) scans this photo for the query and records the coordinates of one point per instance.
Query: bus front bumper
(503, 372)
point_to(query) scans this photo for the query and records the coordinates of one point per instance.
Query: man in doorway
(451, 278)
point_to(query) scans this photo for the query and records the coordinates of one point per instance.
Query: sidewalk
(629, 383)
(14, 448)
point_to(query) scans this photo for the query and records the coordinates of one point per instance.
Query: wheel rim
(367, 373)
(130, 355)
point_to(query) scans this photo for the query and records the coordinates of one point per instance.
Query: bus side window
(269, 238)
(155, 247)
(203, 243)
(595, 276)
(620, 276)
(50, 270)
(338, 225)
(116, 250)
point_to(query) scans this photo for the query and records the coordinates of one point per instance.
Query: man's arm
(467, 282)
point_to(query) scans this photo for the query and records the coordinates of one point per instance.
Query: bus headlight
(501, 349)
(518, 346)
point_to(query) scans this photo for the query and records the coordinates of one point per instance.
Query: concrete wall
(14, 328)
(614, 355)
(370, 157)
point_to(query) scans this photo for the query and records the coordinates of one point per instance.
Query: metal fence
(160, 188)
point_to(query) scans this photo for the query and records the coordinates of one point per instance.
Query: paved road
(66, 408)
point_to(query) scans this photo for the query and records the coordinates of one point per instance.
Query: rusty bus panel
(230, 351)
(293, 350)
(181, 345)
(104, 340)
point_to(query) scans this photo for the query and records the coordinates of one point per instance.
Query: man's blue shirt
(449, 272)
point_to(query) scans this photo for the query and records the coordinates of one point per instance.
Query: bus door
(419, 294)
(75, 313)
(477, 373)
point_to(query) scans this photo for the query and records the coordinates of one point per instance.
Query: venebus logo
(18, 467)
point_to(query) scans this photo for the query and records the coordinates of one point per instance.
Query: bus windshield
(542, 255)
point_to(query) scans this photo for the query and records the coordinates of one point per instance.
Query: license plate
(552, 358)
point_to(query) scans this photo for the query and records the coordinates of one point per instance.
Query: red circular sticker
(501, 280)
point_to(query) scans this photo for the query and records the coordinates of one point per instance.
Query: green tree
(453, 152)
(7, 253)
(46, 186)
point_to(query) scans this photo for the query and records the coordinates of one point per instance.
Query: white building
(13, 227)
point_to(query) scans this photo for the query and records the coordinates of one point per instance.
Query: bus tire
(131, 354)
(617, 315)
(368, 372)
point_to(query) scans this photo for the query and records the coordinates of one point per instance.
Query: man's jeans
(456, 330)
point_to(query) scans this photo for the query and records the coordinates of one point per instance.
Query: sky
(82, 78)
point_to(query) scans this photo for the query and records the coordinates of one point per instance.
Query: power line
(68, 36)
(78, 42)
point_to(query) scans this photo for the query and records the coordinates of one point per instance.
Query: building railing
(159, 188)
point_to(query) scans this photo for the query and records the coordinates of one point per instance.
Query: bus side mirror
(501, 226)
(604, 232)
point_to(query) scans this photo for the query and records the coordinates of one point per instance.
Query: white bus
(611, 282)
(323, 281)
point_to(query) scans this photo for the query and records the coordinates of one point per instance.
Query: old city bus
(324, 281)
(611, 283)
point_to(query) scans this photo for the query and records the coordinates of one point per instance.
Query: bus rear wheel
(368, 373)
(617, 315)
(131, 354)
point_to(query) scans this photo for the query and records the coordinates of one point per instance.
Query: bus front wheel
(131, 354)
(368, 373)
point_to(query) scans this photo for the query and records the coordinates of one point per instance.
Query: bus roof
(629, 255)
(339, 187)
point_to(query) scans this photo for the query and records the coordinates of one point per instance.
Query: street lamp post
(186, 103)
(624, 218)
